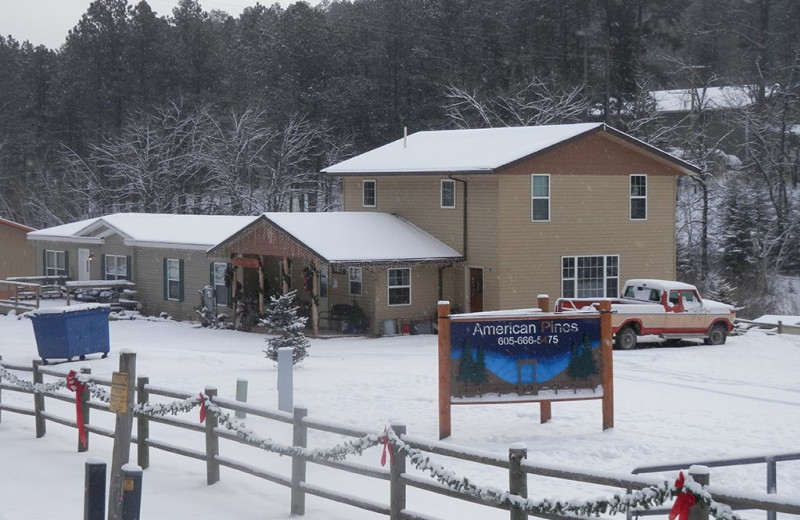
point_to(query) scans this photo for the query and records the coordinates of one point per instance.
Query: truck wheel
(717, 335)
(626, 339)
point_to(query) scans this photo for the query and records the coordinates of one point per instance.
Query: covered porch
(352, 271)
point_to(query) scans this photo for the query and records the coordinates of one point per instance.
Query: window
(369, 194)
(354, 279)
(400, 286)
(638, 197)
(590, 276)
(115, 267)
(221, 289)
(540, 198)
(55, 263)
(173, 279)
(448, 190)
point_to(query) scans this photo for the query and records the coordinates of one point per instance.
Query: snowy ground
(672, 405)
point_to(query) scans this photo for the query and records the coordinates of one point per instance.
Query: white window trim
(441, 193)
(374, 193)
(549, 204)
(169, 295)
(575, 278)
(350, 271)
(632, 197)
(389, 286)
(116, 267)
(54, 268)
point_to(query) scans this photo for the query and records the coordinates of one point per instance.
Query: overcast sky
(46, 22)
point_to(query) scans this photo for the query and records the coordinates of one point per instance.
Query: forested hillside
(203, 112)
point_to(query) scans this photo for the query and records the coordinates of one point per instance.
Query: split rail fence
(648, 491)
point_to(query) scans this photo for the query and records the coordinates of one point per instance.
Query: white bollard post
(241, 395)
(285, 383)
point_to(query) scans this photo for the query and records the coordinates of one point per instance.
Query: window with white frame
(448, 192)
(590, 276)
(354, 281)
(221, 289)
(115, 267)
(638, 197)
(173, 279)
(400, 286)
(369, 194)
(540, 198)
(55, 263)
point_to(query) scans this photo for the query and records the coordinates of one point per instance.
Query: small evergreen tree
(282, 320)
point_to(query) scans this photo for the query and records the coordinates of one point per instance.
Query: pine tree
(282, 320)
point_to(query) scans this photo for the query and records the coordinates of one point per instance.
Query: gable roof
(353, 237)
(148, 230)
(483, 150)
(15, 225)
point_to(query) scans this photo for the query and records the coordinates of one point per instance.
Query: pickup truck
(671, 310)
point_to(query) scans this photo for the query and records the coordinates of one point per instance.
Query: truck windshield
(645, 294)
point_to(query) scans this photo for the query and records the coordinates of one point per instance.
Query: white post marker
(285, 383)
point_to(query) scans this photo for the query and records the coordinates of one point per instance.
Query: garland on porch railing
(646, 498)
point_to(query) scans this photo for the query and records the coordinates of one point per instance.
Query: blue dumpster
(72, 331)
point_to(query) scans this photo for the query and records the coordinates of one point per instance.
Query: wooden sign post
(121, 402)
(524, 357)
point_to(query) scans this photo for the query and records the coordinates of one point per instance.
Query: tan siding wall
(416, 199)
(482, 250)
(16, 253)
(424, 296)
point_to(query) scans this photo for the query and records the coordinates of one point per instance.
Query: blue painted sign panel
(541, 357)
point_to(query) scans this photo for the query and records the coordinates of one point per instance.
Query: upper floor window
(354, 281)
(540, 198)
(590, 276)
(400, 286)
(448, 192)
(638, 197)
(369, 194)
(55, 263)
(115, 267)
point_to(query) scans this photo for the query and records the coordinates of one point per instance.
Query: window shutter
(166, 283)
(180, 275)
(211, 274)
(128, 267)
(66, 263)
(103, 267)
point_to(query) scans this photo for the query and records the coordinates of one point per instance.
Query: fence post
(299, 439)
(38, 400)
(131, 492)
(772, 483)
(517, 478)
(241, 396)
(94, 490)
(124, 387)
(397, 466)
(212, 442)
(780, 327)
(285, 379)
(142, 424)
(85, 396)
(699, 474)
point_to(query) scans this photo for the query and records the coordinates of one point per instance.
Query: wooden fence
(396, 475)
(775, 328)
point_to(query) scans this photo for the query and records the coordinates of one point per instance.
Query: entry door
(475, 289)
(83, 265)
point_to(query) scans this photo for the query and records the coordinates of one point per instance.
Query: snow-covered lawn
(672, 405)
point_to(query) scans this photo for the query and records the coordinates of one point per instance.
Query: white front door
(83, 264)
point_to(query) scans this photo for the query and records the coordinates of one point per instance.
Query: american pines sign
(524, 357)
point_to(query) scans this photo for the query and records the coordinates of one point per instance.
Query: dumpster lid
(69, 308)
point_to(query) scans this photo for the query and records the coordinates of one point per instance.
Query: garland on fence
(686, 490)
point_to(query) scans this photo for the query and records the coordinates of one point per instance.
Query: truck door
(695, 317)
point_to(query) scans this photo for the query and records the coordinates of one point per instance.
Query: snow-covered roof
(481, 150)
(149, 230)
(361, 237)
(13, 224)
(663, 285)
(709, 98)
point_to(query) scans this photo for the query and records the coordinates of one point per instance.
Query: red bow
(386, 447)
(202, 408)
(77, 387)
(683, 503)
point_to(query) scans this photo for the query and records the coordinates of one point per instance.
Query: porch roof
(338, 237)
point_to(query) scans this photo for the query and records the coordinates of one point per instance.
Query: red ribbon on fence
(683, 503)
(78, 387)
(202, 408)
(386, 447)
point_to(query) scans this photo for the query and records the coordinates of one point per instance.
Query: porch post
(314, 299)
(260, 285)
(284, 274)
